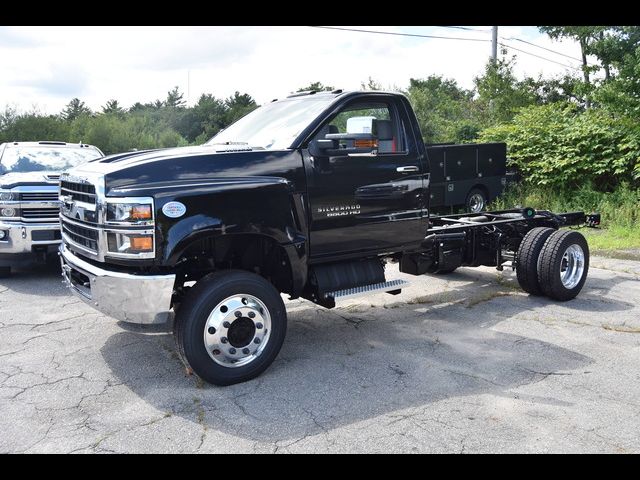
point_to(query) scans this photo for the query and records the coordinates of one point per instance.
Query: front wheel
(563, 265)
(230, 327)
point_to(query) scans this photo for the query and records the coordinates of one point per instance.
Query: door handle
(411, 168)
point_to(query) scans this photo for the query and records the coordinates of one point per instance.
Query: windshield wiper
(230, 143)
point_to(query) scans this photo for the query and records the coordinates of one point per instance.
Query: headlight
(129, 212)
(130, 243)
(7, 196)
(8, 212)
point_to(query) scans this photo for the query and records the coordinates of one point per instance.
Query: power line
(448, 38)
(463, 28)
(403, 34)
(538, 56)
(543, 48)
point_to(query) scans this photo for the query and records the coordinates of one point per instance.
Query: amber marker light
(142, 243)
(141, 212)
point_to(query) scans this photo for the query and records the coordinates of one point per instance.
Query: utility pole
(494, 44)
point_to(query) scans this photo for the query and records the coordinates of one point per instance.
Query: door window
(377, 118)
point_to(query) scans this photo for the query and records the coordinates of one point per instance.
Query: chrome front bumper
(144, 299)
(19, 238)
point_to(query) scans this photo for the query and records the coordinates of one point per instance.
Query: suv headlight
(9, 212)
(129, 212)
(7, 196)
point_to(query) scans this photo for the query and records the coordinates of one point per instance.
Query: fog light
(8, 212)
(3, 234)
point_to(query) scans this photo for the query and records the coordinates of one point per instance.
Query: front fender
(256, 205)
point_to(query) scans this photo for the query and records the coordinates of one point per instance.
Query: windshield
(273, 126)
(38, 158)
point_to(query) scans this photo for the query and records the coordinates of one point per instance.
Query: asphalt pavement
(465, 362)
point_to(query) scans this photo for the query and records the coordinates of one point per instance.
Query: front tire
(230, 327)
(563, 265)
(5, 272)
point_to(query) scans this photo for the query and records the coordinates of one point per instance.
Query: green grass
(620, 210)
(613, 238)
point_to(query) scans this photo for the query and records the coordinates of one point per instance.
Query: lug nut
(216, 352)
(252, 315)
(224, 340)
(259, 326)
(211, 330)
(256, 341)
(245, 351)
(238, 314)
(226, 324)
(232, 351)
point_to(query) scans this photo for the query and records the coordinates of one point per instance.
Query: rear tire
(563, 265)
(476, 200)
(230, 327)
(527, 259)
(5, 272)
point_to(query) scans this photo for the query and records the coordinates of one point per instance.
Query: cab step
(392, 286)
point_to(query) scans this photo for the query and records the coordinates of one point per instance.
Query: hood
(125, 172)
(11, 180)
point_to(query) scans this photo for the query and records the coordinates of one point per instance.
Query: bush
(560, 145)
(619, 208)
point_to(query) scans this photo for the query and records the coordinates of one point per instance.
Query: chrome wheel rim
(572, 266)
(237, 331)
(476, 203)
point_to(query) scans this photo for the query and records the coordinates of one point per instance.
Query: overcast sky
(44, 67)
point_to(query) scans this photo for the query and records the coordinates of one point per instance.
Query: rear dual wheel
(552, 263)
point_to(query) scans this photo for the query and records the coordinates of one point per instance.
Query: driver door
(366, 202)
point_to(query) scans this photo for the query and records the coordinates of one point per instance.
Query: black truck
(469, 175)
(308, 196)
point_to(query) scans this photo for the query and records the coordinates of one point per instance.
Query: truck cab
(309, 196)
(29, 204)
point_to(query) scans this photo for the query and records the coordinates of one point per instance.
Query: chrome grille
(31, 213)
(79, 192)
(80, 235)
(39, 197)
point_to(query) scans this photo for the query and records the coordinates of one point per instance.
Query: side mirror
(344, 144)
(321, 146)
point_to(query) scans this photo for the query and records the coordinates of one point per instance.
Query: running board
(393, 286)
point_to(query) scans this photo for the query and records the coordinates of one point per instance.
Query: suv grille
(79, 192)
(30, 213)
(39, 197)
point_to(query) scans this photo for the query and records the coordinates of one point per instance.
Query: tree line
(566, 130)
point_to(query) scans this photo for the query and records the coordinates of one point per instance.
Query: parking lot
(459, 363)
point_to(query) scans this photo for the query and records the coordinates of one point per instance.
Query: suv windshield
(37, 158)
(273, 126)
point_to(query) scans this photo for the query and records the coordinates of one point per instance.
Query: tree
(445, 111)
(316, 87)
(175, 99)
(500, 94)
(74, 109)
(207, 117)
(370, 84)
(112, 107)
(238, 105)
(584, 35)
